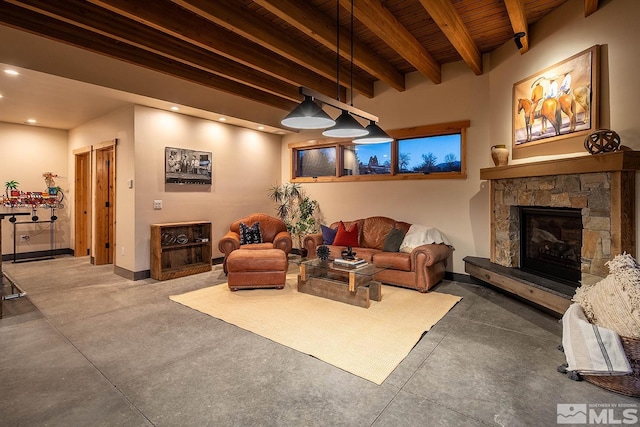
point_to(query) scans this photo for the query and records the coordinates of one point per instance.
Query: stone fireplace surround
(602, 186)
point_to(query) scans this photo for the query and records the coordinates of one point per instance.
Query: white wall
(246, 164)
(460, 208)
(115, 125)
(26, 153)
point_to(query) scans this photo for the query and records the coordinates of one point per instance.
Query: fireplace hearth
(551, 243)
(601, 187)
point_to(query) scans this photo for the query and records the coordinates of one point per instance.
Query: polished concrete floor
(86, 347)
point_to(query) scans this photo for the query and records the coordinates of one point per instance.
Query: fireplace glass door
(551, 243)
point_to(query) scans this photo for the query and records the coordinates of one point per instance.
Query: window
(316, 162)
(425, 152)
(367, 159)
(430, 154)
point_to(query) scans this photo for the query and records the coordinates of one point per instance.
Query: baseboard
(458, 277)
(131, 275)
(36, 255)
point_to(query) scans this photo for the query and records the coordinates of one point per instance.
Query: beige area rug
(367, 342)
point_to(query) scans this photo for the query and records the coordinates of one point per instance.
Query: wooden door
(105, 206)
(82, 204)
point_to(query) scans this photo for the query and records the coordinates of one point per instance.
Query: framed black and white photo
(184, 166)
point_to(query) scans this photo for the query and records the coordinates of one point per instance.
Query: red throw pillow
(346, 237)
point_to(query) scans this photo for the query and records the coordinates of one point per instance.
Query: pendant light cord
(351, 35)
(338, 50)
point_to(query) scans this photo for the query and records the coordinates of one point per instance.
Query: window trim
(405, 133)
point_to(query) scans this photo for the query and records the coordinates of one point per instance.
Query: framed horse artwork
(557, 103)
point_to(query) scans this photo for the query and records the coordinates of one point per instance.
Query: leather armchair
(274, 236)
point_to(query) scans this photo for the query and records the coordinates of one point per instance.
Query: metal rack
(16, 292)
(35, 220)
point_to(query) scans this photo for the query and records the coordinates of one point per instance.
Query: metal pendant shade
(346, 127)
(375, 136)
(308, 115)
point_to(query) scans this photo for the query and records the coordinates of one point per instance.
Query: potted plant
(11, 188)
(296, 210)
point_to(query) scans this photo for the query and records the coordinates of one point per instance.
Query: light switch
(157, 204)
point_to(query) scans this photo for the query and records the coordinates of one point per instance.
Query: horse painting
(582, 96)
(568, 106)
(551, 112)
(526, 105)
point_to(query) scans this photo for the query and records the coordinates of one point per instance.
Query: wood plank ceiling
(265, 50)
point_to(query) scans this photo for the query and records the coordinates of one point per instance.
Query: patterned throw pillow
(250, 235)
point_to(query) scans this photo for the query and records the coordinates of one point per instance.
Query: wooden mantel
(608, 162)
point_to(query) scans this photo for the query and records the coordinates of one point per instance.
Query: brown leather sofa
(274, 236)
(421, 269)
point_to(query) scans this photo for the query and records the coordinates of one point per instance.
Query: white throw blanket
(591, 349)
(419, 235)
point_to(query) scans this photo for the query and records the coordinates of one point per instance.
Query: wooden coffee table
(353, 286)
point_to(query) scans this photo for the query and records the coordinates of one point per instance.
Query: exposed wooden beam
(104, 22)
(26, 20)
(229, 15)
(447, 18)
(378, 19)
(590, 6)
(515, 10)
(306, 18)
(171, 19)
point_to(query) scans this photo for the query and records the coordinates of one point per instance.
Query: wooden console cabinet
(180, 249)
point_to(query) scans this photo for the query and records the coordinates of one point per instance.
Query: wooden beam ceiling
(515, 9)
(264, 50)
(322, 29)
(378, 19)
(258, 30)
(180, 24)
(590, 6)
(445, 15)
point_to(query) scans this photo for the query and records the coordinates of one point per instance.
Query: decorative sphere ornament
(602, 141)
(323, 252)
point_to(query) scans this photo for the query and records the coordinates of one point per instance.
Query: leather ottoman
(257, 268)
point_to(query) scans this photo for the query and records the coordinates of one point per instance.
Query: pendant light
(308, 115)
(376, 135)
(346, 125)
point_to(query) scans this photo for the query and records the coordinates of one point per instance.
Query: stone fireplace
(600, 187)
(589, 192)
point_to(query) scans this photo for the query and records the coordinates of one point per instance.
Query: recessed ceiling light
(222, 119)
(11, 72)
(32, 121)
(1, 96)
(260, 127)
(174, 108)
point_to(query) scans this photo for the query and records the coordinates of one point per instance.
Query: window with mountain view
(430, 154)
(423, 152)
